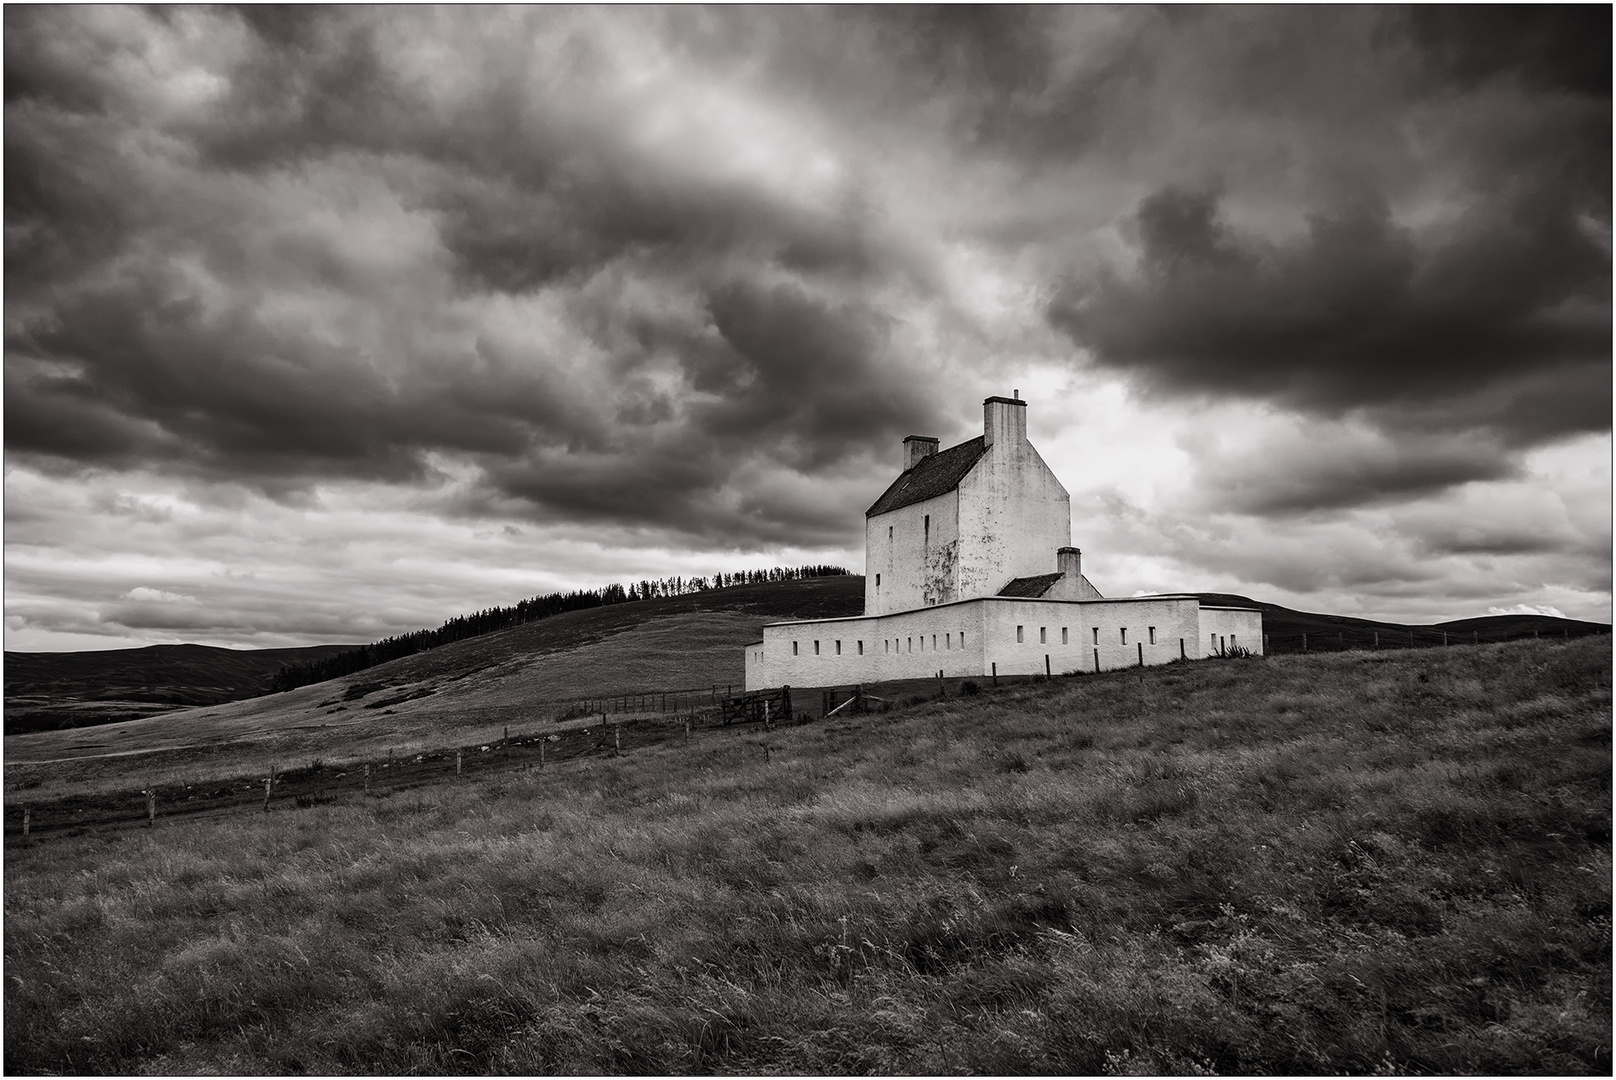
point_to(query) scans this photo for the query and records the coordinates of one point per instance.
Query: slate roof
(1030, 588)
(932, 476)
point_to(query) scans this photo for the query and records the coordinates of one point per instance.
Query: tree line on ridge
(538, 607)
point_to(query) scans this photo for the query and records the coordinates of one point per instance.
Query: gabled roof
(931, 476)
(1030, 588)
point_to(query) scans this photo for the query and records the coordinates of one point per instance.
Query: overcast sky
(324, 324)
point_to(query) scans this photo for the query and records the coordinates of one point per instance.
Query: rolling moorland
(465, 693)
(1365, 861)
(45, 691)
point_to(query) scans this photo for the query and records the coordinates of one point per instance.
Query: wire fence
(626, 722)
(1420, 637)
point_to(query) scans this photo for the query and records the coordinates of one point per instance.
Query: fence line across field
(641, 714)
(1414, 638)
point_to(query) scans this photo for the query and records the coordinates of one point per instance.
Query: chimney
(916, 447)
(1004, 421)
(1069, 561)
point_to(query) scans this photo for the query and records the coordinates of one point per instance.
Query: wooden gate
(758, 707)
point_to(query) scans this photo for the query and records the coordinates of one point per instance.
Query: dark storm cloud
(296, 279)
(1560, 47)
(1310, 474)
(637, 268)
(1361, 313)
(1480, 307)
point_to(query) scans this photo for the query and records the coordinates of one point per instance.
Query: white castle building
(969, 571)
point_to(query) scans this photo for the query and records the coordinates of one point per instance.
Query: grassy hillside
(1366, 862)
(465, 692)
(75, 689)
(469, 692)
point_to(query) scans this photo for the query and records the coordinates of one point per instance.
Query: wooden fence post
(268, 783)
(617, 740)
(541, 753)
(367, 779)
(1377, 639)
(458, 762)
(1444, 637)
(1304, 643)
(687, 729)
(27, 818)
(151, 804)
(1475, 637)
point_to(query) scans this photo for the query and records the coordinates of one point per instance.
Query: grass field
(467, 692)
(1360, 862)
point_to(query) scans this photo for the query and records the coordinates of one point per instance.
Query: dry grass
(1361, 863)
(466, 702)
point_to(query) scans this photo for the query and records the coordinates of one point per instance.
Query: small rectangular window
(1125, 635)
(934, 643)
(948, 641)
(1231, 641)
(889, 532)
(962, 639)
(1064, 641)
(878, 581)
(910, 646)
(1096, 635)
(1043, 635)
(838, 647)
(861, 648)
(1019, 638)
(1153, 635)
(793, 648)
(816, 648)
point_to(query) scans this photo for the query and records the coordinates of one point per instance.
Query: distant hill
(1284, 628)
(45, 690)
(667, 643)
(528, 672)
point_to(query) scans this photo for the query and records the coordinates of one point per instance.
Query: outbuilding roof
(1030, 588)
(931, 476)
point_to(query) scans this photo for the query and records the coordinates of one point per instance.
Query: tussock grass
(1361, 863)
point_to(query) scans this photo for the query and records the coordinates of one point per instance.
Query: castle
(958, 582)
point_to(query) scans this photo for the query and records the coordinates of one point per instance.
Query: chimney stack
(917, 447)
(1004, 421)
(1069, 561)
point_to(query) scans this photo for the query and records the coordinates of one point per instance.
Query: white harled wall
(968, 638)
(1005, 520)
(914, 550)
(1013, 512)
